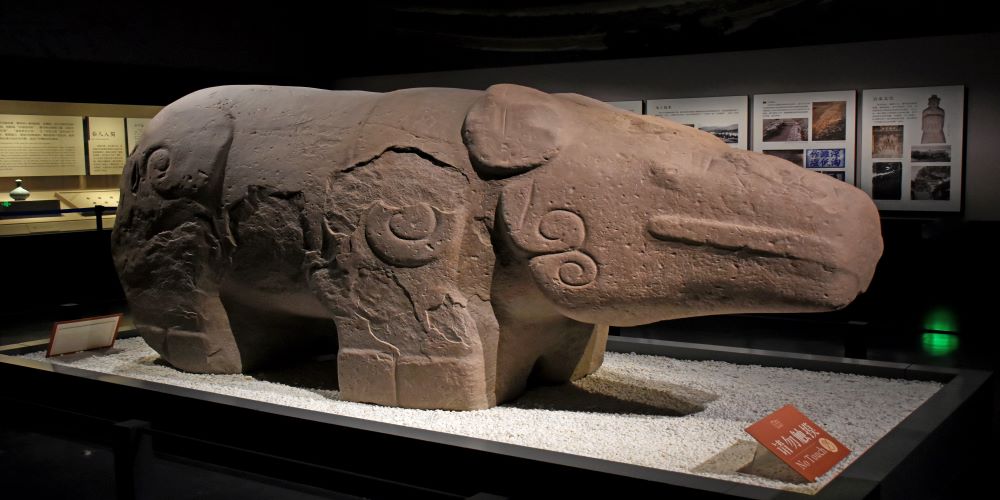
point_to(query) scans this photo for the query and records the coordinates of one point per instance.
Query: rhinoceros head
(626, 219)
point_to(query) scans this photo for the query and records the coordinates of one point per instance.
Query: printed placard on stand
(814, 130)
(723, 117)
(83, 334)
(798, 442)
(911, 147)
(633, 106)
(39, 145)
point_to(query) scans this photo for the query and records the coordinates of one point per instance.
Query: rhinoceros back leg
(592, 355)
(173, 289)
(541, 351)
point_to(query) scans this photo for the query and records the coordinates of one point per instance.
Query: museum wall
(950, 60)
(929, 258)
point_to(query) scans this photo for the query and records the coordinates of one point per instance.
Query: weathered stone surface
(455, 244)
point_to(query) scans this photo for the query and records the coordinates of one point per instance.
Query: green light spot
(941, 320)
(940, 344)
(6, 203)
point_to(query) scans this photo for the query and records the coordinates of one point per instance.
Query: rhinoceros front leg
(409, 335)
(388, 357)
(172, 281)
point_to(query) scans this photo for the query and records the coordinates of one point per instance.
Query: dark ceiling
(96, 51)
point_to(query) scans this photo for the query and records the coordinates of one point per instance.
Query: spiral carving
(411, 236)
(572, 269)
(557, 234)
(564, 227)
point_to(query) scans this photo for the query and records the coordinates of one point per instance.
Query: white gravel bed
(652, 411)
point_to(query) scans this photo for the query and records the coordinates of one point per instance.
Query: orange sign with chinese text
(799, 442)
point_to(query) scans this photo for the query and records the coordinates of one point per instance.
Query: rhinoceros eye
(159, 162)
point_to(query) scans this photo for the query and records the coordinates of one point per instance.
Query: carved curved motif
(557, 234)
(573, 269)
(410, 236)
(535, 231)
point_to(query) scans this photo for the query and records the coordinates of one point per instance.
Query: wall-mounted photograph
(928, 154)
(786, 129)
(932, 182)
(829, 121)
(887, 141)
(887, 180)
(793, 155)
(730, 134)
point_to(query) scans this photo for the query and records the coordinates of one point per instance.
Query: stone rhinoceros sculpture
(458, 243)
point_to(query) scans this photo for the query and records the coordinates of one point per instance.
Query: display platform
(381, 459)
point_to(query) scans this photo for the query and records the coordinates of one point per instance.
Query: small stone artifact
(452, 245)
(19, 193)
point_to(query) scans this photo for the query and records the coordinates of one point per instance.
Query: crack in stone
(406, 150)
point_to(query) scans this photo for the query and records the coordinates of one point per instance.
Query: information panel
(814, 130)
(723, 117)
(134, 128)
(911, 147)
(106, 145)
(633, 106)
(38, 145)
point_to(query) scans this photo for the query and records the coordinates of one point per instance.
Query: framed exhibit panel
(105, 145)
(911, 147)
(814, 130)
(41, 145)
(133, 131)
(723, 117)
(633, 106)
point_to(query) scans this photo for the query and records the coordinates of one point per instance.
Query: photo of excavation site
(932, 182)
(730, 134)
(826, 158)
(927, 154)
(786, 129)
(887, 141)
(792, 155)
(887, 180)
(829, 121)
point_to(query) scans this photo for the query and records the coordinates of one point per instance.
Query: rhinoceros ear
(512, 129)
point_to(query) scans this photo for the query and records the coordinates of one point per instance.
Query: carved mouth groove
(754, 240)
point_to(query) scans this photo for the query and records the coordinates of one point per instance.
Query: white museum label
(83, 334)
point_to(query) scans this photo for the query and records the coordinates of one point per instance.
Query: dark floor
(28, 455)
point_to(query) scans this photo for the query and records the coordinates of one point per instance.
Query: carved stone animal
(453, 245)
